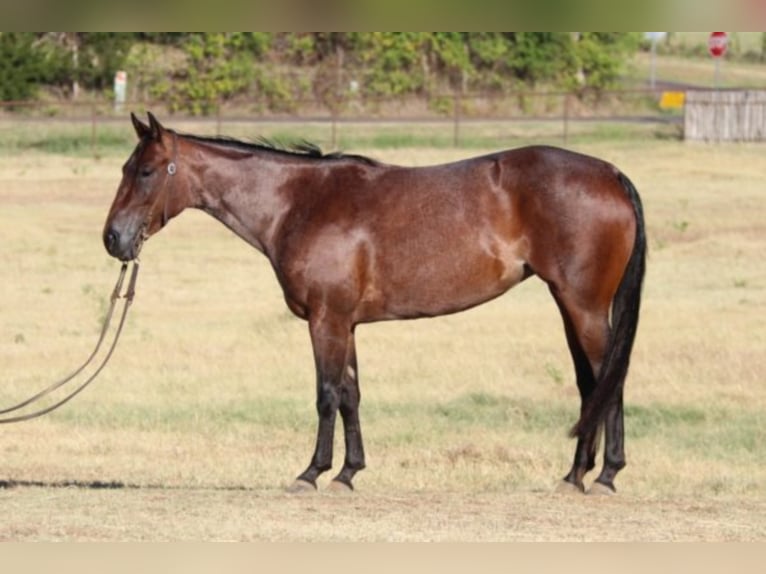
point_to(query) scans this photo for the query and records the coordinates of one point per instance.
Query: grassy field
(701, 71)
(687, 61)
(206, 413)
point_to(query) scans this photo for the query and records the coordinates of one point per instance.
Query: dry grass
(245, 515)
(206, 412)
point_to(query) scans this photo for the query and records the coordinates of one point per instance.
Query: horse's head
(149, 194)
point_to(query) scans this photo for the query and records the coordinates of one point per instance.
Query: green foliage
(28, 61)
(602, 56)
(89, 59)
(161, 38)
(389, 64)
(536, 57)
(101, 55)
(22, 66)
(195, 72)
(299, 49)
(150, 69)
(451, 56)
(215, 71)
(217, 67)
(383, 64)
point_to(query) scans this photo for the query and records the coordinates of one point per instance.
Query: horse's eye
(146, 171)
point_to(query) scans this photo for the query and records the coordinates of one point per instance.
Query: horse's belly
(447, 282)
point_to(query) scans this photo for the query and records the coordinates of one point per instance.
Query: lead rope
(128, 297)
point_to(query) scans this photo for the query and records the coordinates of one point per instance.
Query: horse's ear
(154, 126)
(142, 130)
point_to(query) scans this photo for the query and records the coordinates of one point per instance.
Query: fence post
(93, 149)
(334, 127)
(567, 96)
(456, 116)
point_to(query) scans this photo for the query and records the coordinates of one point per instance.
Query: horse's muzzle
(111, 240)
(117, 247)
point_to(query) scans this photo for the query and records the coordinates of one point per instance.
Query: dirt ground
(99, 513)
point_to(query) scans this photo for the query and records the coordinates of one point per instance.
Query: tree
(84, 59)
(204, 69)
(218, 67)
(541, 57)
(22, 66)
(601, 57)
(101, 55)
(389, 63)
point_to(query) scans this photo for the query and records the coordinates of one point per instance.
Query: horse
(353, 240)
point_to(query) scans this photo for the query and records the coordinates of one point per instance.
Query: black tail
(625, 309)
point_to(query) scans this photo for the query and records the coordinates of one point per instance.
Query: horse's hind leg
(586, 332)
(614, 448)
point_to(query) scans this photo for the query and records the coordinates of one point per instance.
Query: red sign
(716, 44)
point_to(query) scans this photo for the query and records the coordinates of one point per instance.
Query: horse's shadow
(9, 483)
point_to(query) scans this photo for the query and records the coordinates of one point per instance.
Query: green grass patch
(398, 140)
(78, 144)
(488, 411)
(114, 139)
(72, 139)
(647, 420)
(282, 414)
(697, 431)
(702, 432)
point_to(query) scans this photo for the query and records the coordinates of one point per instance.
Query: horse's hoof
(566, 487)
(338, 487)
(301, 487)
(601, 489)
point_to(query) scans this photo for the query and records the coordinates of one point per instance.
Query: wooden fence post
(456, 117)
(93, 147)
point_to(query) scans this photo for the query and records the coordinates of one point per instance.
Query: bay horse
(352, 240)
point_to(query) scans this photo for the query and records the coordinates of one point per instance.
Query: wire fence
(436, 120)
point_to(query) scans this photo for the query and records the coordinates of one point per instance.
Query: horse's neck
(244, 194)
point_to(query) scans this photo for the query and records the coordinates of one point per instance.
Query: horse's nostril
(111, 238)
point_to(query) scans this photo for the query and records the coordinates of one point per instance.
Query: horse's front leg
(330, 337)
(349, 410)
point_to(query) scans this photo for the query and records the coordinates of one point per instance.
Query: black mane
(301, 148)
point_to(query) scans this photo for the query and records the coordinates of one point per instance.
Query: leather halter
(163, 195)
(171, 171)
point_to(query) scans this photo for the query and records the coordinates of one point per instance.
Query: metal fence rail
(437, 119)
